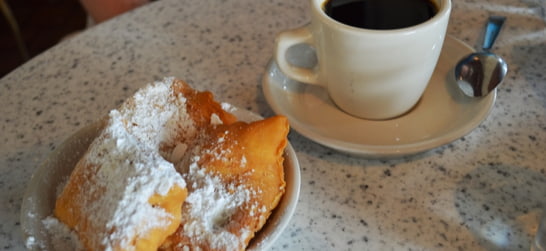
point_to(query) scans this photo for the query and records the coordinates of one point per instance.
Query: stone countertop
(481, 192)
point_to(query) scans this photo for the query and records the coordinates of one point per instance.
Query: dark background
(42, 23)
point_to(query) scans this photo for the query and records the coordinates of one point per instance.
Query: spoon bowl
(481, 72)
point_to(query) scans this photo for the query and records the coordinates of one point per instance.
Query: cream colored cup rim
(443, 10)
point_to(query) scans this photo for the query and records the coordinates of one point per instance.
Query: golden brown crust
(201, 106)
(250, 155)
(110, 182)
(242, 155)
(73, 203)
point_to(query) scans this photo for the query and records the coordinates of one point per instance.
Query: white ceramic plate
(39, 198)
(442, 115)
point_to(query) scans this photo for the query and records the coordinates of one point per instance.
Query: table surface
(481, 192)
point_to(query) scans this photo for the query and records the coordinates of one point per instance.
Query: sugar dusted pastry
(235, 179)
(125, 193)
(129, 191)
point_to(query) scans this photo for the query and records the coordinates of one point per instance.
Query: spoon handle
(494, 25)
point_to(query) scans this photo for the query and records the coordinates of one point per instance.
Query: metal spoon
(479, 73)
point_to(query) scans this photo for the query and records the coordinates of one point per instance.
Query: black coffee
(380, 14)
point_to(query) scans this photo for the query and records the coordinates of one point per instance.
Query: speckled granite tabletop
(481, 192)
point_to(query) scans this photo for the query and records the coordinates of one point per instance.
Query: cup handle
(284, 41)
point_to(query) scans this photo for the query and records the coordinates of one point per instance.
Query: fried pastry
(125, 193)
(172, 169)
(235, 179)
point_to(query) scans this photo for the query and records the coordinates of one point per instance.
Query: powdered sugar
(156, 117)
(134, 164)
(228, 107)
(209, 212)
(135, 156)
(210, 206)
(215, 119)
(130, 167)
(62, 238)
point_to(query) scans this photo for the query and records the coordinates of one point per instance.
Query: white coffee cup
(371, 74)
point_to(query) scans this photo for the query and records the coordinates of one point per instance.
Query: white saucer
(442, 115)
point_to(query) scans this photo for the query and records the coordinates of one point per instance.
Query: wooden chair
(6, 11)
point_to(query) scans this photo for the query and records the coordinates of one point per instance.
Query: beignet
(235, 179)
(129, 191)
